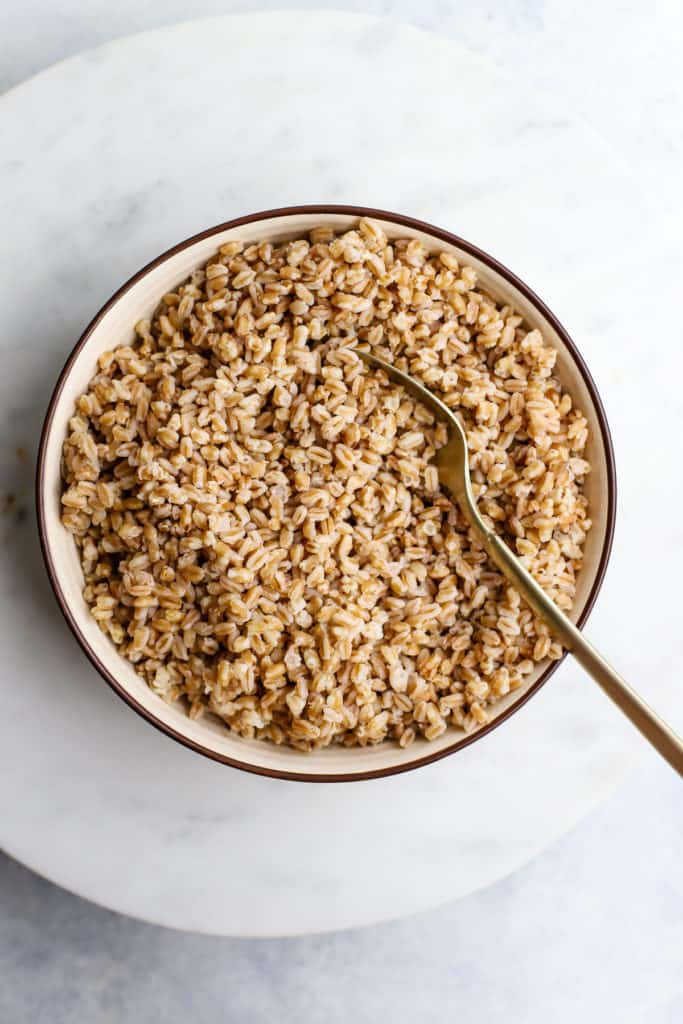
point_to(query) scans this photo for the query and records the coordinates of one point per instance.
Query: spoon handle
(653, 728)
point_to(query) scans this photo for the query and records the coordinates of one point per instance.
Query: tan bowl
(113, 326)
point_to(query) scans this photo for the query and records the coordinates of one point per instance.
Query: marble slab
(111, 157)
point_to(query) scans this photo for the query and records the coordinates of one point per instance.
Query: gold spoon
(454, 475)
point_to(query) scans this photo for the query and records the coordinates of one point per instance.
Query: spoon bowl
(451, 460)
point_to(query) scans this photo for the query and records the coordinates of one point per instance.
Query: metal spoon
(454, 475)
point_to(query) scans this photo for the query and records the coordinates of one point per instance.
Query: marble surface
(617, 66)
(223, 852)
(590, 931)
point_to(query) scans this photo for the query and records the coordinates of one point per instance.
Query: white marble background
(593, 929)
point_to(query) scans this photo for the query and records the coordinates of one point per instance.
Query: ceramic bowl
(113, 326)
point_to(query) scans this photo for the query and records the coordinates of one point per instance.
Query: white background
(591, 930)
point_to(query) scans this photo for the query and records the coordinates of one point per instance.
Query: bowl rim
(416, 225)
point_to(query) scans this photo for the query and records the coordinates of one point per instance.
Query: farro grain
(261, 529)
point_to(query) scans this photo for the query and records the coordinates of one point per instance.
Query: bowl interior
(114, 327)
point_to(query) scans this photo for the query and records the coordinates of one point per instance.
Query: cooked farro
(260, 526)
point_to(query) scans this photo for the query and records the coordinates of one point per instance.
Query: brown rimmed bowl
(113, 326)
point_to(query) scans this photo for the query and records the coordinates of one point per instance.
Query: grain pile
(260, 526)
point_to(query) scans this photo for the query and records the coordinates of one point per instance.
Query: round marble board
(108, 159)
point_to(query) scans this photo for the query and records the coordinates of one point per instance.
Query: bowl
(113, 326)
